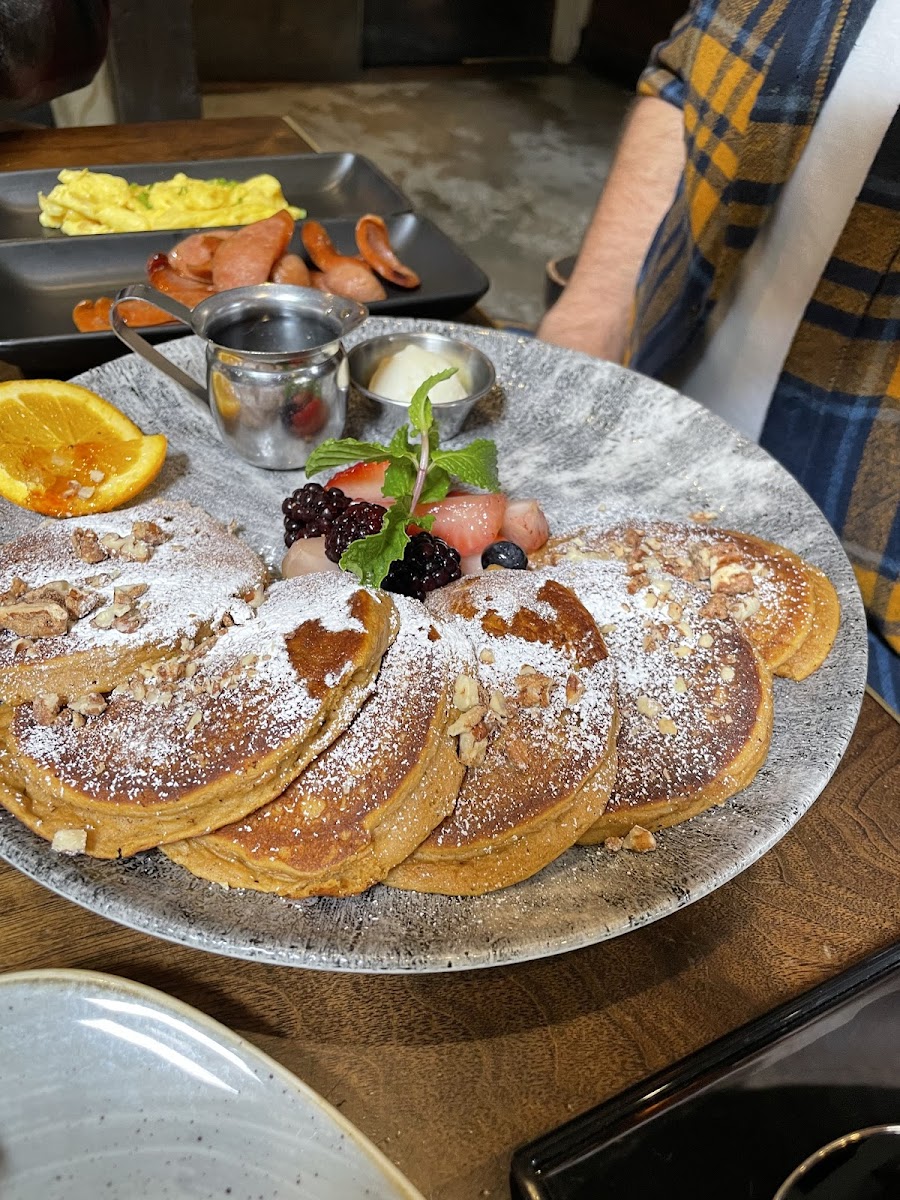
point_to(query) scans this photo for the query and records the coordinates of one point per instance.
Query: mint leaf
(400, 478)
(420, 406)
(475, 464)
(370, 558)
(437, 485)
(335, 452)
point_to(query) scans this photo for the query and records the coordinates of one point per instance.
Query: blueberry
(505, 554)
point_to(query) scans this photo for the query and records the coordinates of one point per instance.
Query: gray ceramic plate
(112, 1089)
(578, 434)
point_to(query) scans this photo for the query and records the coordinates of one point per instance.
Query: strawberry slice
(363, 481)
(468, 522)
(525, 524)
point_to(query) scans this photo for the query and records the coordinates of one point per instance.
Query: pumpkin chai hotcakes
(372, 797)
(695, 698)
(202, 739)
(786, 607)
(537, 725)
(86, 600)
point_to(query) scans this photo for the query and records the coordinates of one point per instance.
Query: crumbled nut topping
(639, 840)
(48, 619)
(465, 692)
(45, 708)
(69, 841)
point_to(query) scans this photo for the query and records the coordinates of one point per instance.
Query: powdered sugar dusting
(244, 698)
(194, 578)
(689, 686)
(550, 746)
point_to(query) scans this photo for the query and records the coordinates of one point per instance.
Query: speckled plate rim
(98, 983)
(574, 902)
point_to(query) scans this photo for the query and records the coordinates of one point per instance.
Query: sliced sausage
(249, 256)
(290, 268)
(192, 257)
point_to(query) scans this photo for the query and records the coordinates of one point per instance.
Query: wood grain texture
(448, 1074)
(152, 141)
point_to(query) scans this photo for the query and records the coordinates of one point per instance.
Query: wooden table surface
(449, 1073)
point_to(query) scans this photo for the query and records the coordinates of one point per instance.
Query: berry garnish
(363, 481)
(505, 554)
(311, 511)
(358, 521)
(427, 563)
(414, 472)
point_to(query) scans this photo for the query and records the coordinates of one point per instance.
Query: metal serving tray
(326, 185)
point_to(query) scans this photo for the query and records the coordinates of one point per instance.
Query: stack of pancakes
(318, 737)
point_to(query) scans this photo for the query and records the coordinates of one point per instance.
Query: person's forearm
(594, 311)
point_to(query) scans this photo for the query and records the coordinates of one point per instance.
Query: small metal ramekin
(476, 373)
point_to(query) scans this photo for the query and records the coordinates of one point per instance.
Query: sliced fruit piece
(525, 524)
(306, 557)
(363, 481)
(65, 451)
(468, 522)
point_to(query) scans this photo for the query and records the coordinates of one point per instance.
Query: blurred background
(498, 119)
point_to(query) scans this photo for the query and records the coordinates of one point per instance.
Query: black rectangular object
(41, 281)
(734, 1119)
(326, 185)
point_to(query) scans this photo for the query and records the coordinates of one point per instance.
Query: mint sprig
(418, 472)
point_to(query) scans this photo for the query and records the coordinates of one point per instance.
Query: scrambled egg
(91, 202)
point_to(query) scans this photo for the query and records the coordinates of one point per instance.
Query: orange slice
(65, 451)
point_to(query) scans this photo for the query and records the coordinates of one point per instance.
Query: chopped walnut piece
(614, 844)
(675, 611)
(744, 607)
(69, 841)
(705, 640)
(732, 579)
(127, 595)
(45, 708)
(112, 542)
(486, 656)
(135, 551)
(534, 688)
(92, 704)
(35, 620)
(471, 752)
(149, 532)
(681, 684)
(104, 618)
(465, 692)
(727, 673)
(574, 690)
(129, 622)
(716, 608)
(88, 546)
(647, 707)
(667, 726)
(15, 591)
(639, 840)
(517, 753)
(498, 704)
(54, 591)
(467, 721)
(76, 719)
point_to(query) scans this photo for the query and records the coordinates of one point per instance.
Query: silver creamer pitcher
(276, 371)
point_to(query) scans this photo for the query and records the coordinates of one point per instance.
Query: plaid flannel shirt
(750, 77)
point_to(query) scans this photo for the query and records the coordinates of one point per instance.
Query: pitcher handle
(134, 341)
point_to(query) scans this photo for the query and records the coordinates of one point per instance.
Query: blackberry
(359, 520)
(311, 511)
(505, 554)
(427, 563)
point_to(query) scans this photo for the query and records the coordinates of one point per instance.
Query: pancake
(108, 592)
(371, 798)
(695, 698)
(537, 727)
(202, 739)
(787, 608)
